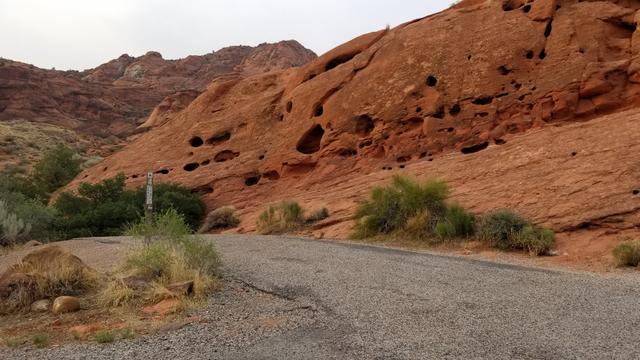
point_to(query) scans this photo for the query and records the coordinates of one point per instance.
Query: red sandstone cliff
(504, 99)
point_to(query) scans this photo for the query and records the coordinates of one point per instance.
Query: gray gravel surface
(290, 298)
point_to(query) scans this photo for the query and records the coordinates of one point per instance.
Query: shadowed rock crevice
(309, 143)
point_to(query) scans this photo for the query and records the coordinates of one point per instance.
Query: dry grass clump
(220, 219)
(283, 217)
(627, 254)
(172, 256)
(318, 215)
(47, 274)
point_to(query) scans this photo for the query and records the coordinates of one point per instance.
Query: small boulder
(65, 304)
(41, 305)
(32, 243)
(183, 288)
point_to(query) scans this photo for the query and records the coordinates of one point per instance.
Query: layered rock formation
(434, 96)
(112, 100)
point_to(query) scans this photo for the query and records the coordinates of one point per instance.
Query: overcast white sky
(81, 34)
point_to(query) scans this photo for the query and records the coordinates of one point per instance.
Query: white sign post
(148, 206)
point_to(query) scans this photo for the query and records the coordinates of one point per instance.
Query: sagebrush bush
(456, 223)
(535, 240)
(220, 218)
(507, 230)
(501, 227)
(173, 255)
(627, 253)
(391, 206)
(12, 228)
(281, 218)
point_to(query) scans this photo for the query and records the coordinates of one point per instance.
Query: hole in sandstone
(574, 153)
(272, 175)
(455, 110)
(191, 167)
(219, 138)
(206, 162)
(521, 97)
(225, 155)
(196, 141)
(581, 51)
(504, 70)
(475, 148)
(450, 129)
(252, 180)
(318, 111)
(365, 143)
(403, 159)
(548, 29)
(281, 117)
(439, 114)
(261, 157)
(543, 54)
(309, 143)
(507, 5)
(105, 168)
(348, 152)
(163, 171)
(529, 54)
(418, 109)
(526, 8)
(289, 106)
(132, 176)
(500, 142)
(402, 166)
(636, 192)
(517, 86)
(423, 155)
(339, 60)
(432, 81)
(483, 100)
(364, 125)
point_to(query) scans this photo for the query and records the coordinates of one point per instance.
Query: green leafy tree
(56, 169)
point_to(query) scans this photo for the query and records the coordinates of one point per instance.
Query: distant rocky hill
(516, 103)
(106, 104)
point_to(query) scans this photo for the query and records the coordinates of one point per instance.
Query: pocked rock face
(457, 82)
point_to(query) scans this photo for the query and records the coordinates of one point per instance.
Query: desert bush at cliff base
(507, 230)
(283, 217)
(411, 210)
(627, 254)
(172, 256)
(220, 219)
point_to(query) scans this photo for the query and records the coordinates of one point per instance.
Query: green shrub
(501, 227)
(104, 337)
(12, 228)
(56, 169)
(419, 227)
(535, 240)
(281, 218)
(456, 223)
(627, 253)
(174, 196)
(220, 218)
(106, 208)
(40, 340)
(506, 230)
(318, 215)
(390, 207)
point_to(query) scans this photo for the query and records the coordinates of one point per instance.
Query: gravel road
(290, 298)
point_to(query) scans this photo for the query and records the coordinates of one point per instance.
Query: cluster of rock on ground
(516, 103)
